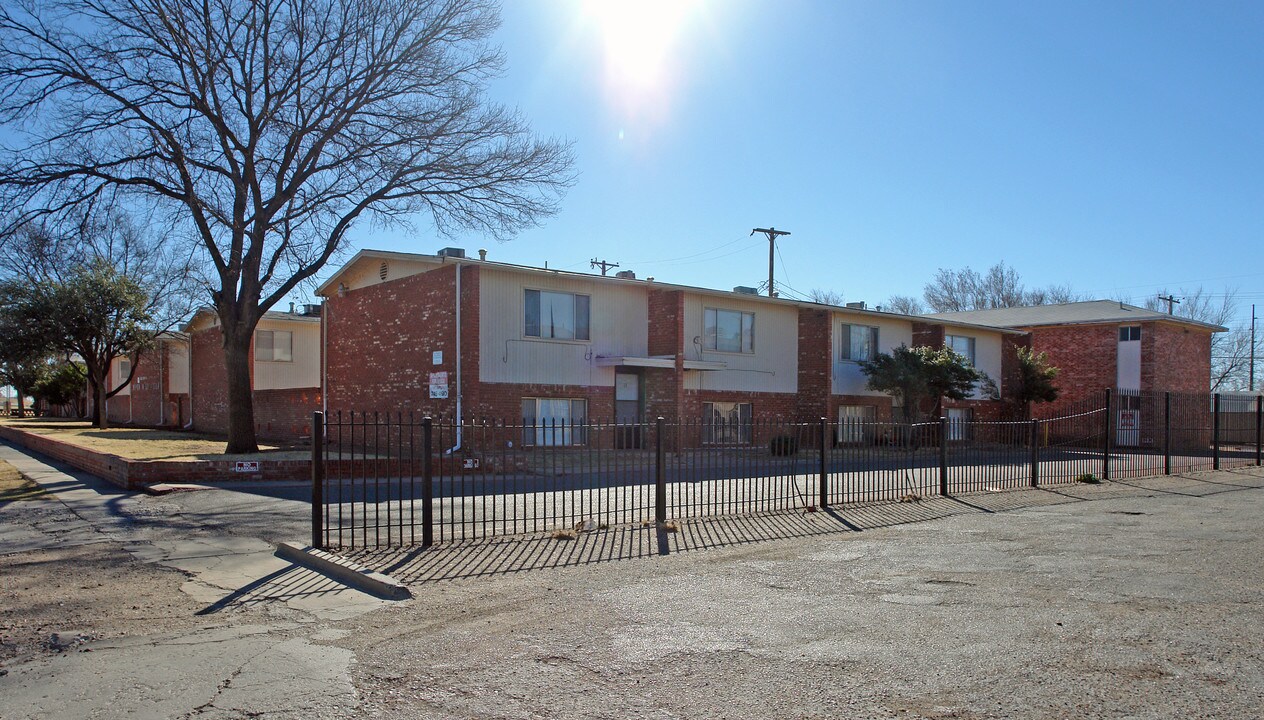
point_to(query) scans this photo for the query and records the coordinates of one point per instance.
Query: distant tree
(61, 386)
(94, 313)
(999, 287)
(1230, 351)
(1036, 380)
(266, 130)
(911, 375)
(825, 297)
(24, 346)
(904, 304)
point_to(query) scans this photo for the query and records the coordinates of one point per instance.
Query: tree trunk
(21, 404)
(241, 409)
(100, 418)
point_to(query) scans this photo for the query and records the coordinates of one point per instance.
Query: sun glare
(640, 40)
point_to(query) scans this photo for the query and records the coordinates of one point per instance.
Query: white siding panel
(619, 316)
(178, 363)
(772, 367)
(892, 333)
(368, 271)
(987, 351)
(304, 370)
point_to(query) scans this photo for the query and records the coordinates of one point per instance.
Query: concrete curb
(344, 571)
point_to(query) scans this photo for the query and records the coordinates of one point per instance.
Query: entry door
(628, 409)
(1128, 428)
(959, 423)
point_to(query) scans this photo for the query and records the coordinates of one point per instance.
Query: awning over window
(657, 361)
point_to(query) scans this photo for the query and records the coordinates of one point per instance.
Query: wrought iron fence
(399, 479)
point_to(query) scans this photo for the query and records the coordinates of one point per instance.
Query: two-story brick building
(453, 336)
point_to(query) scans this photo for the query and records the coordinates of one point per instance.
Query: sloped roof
(1076, 313)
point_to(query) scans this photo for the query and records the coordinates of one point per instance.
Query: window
(726, 423)
(962, 345)
(729, 330)
(1129, 333)
(554, 421)
(959, 427)
(124, 369)
(858, 342)
(856, 423)
(274, 346)
(556, 315)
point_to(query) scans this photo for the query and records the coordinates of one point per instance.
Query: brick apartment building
(1102, 344)
(452, 336)
(285, 373)
(158, 395)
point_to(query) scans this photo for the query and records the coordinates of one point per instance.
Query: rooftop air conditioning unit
(452, 252)
(626, 275)
(856, 305)
(311, 309)
(744, 290)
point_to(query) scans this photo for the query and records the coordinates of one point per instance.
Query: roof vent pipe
(482, 254)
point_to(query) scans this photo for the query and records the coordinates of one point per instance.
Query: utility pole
(772, 233)
(1171, 301)
(605, 266)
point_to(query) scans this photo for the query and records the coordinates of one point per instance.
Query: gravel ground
(63, 599)
(1141, 606)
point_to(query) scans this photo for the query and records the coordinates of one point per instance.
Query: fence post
(943, 456)
(1259, 427)
(660, 479)
(824, 470)
(1167, 433)
(427, 482)
(1215, 432)
(1106, 441)
(318, 479)
(1035, 452)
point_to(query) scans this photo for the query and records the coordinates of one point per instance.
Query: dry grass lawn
(15, 487)
(145, 444)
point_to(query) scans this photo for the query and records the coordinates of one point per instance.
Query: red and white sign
(246, 466)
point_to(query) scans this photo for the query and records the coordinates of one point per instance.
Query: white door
(959, 423)
(1128, 417)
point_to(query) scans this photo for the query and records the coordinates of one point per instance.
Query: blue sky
(1116, 147)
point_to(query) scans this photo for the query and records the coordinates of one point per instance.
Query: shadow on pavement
(501, 555)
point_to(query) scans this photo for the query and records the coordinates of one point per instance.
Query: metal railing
(382, 480)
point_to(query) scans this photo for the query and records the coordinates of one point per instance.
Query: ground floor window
(856, 423)
(554, 421)
(959, 420)
(726, 423)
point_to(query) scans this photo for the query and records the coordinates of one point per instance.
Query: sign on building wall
(438, 385)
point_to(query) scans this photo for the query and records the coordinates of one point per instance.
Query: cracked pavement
(1134, 599)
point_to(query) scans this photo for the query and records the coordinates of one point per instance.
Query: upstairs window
(858, 342)
(556, 315)
(274, 346)
(729, 330)
(1129, 333)
(124, 369)
(962, 345)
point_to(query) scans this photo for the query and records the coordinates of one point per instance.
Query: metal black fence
(398, 479)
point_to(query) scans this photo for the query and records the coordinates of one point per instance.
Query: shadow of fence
(503, 555)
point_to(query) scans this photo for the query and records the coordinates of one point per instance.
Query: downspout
(456, 447)
(324, 369)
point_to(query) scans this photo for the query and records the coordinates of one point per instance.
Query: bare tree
(267, 129)
(1230, 351)
(825, 297)
(100, 287)
(999, 287)
(904, 304)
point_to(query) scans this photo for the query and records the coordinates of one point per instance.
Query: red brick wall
(208, 381)
(928, 335)
(379, 342)
(1009, 361)
(285, 414)
(665, 389)
(815, 363)
(1175, 359)
(1087, 359)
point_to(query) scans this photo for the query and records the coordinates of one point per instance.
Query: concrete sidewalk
(253, 647)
